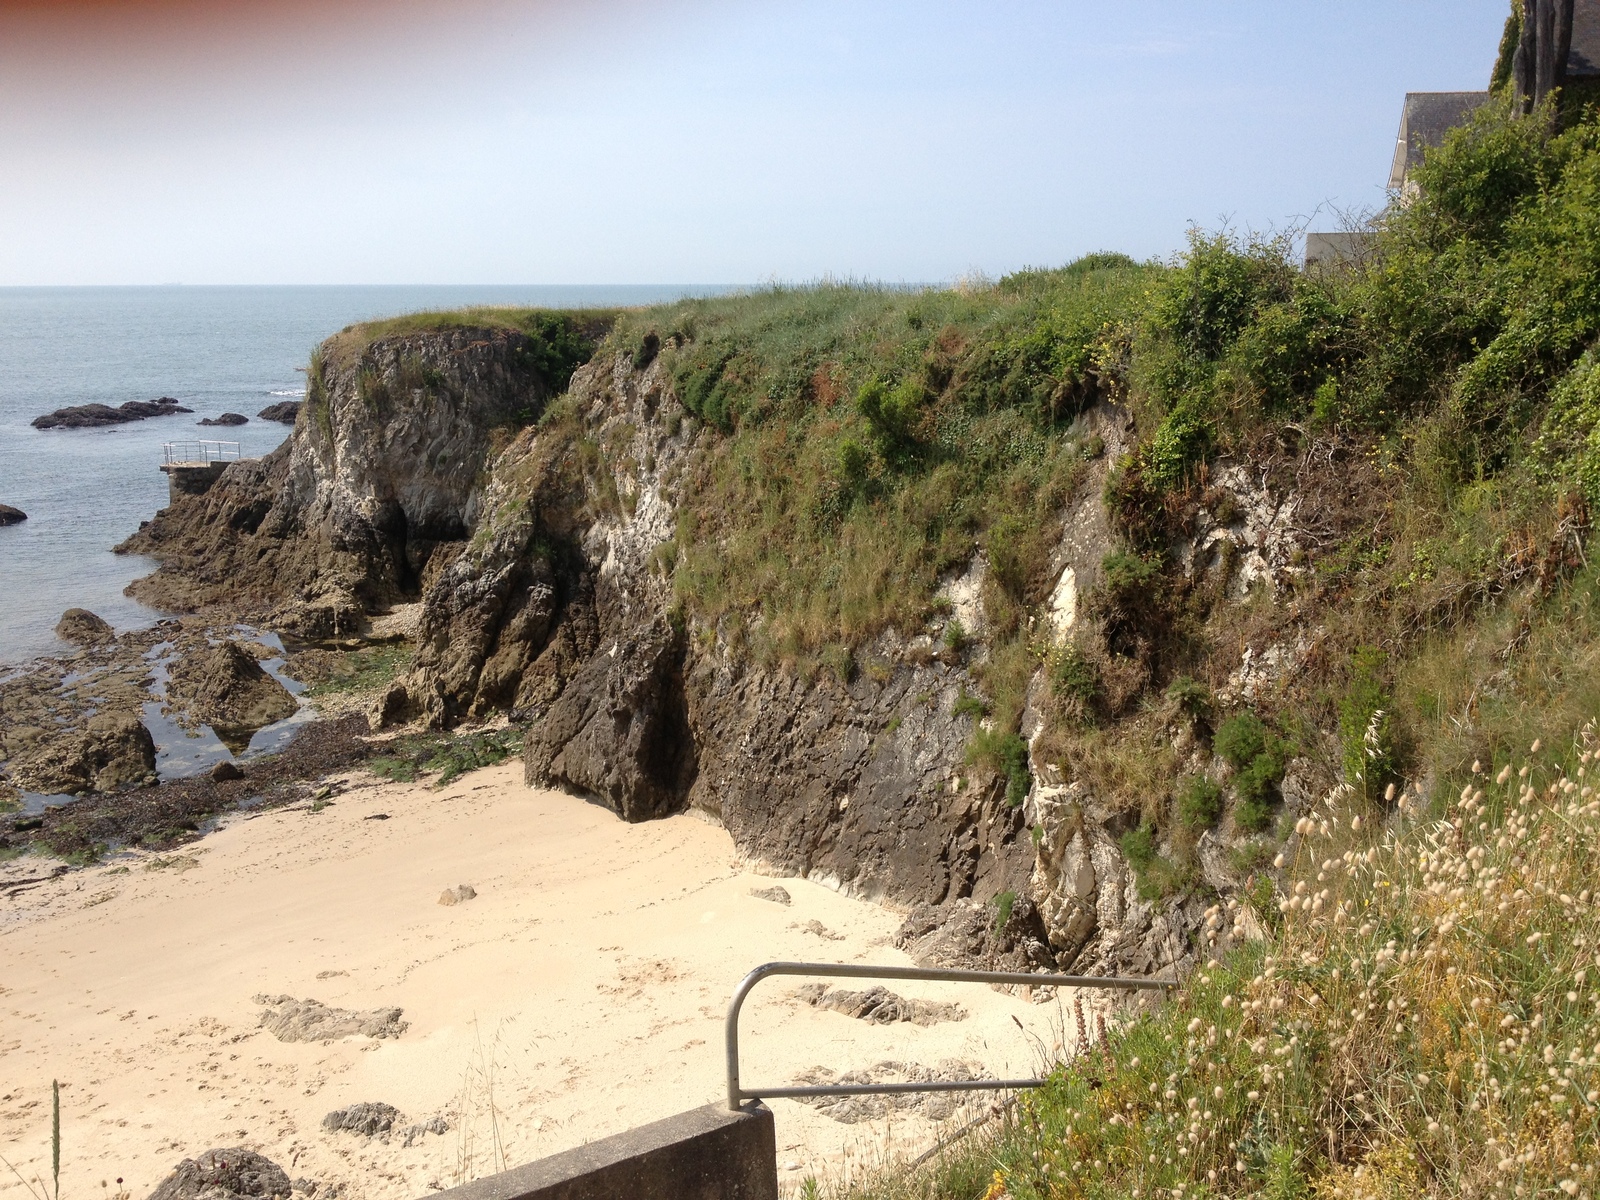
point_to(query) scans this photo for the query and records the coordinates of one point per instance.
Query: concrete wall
(707, 1154)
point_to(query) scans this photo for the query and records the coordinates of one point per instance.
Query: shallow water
(216, 349)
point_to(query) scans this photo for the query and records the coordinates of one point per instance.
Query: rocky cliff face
(544, 560)
(386, 462)
(560, 609)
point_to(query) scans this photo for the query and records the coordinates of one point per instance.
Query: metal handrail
(737, 1094)
(202, 450)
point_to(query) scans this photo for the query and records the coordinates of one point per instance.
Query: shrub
(1139, 846)
(1240, 739)
(1192, 697)
(955, 635)
(1128, 575)
(1006, 754)
(1074, 680)
(1004, 903)
(1199, 802)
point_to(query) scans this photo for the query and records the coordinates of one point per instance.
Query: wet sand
(580, 993)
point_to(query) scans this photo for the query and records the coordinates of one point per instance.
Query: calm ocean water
(217, 349)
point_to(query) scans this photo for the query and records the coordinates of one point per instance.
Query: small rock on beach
(291, 1020)
(367, 1119)
(458, 894)
(11, 516)
(777, 895)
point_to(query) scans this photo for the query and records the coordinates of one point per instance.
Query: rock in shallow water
(226, 419)
(11, 516)
(284, 411)
(83, 627)
(91, 416)
(226, 688)
(224, 1175)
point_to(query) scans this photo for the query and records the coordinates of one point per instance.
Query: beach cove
(580, 992)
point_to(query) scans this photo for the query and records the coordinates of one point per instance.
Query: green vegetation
(362, 670)
(1424, 1021)
(1421, 1016)
(449, 754)
(1004, 903)
(1199, 802)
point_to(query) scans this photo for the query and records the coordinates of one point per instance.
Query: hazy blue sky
(607, 142)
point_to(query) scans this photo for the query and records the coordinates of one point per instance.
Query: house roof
(1584, 59)
(1428, 116)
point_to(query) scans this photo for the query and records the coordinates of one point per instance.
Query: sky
(688, 141)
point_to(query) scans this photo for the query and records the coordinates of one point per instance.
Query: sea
(215, 350)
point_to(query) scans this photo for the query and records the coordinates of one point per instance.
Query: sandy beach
(580, 992)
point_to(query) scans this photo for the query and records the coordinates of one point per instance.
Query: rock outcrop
(11, 516)
(110, 750)
(227, 688)
(345, 516)
(236, 1174)
(225, 419)
(84, 628)
(282, 411)
(91, 416)
(543, 562)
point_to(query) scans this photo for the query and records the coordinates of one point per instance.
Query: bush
(1199, 802)
(1006, 754)
(1139, 846)
(1074, 680)
(1192, 697)
(1240, 739)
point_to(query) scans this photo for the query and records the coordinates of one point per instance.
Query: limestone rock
(775, 893)
(459, 894)
(81, 626)
(226, 688)
(387, 467)
(367, 1119)
(291, 1020)
(11, 516)
(235, 1174)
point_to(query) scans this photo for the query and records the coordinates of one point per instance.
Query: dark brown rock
(284, 412)
(226, 770)
(235, 1174)
(90, 416)
(226, 688)
(225, 419)
(82, 627)
(111, 750)
(11, 516)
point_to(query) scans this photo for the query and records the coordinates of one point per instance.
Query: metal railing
(198, 453)
(737, 1093)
